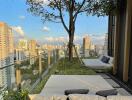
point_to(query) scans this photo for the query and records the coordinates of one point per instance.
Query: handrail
(6, 66)
(29, 73)
(15, 61)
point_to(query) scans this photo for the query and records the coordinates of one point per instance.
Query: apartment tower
(86, 45)
(32, 47)
(7, 74)
(32, 51)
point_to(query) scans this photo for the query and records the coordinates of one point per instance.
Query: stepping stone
(112, 83)
(122, 91)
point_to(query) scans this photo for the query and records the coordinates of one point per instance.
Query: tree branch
(75, 15)
(67, 3)
(61, 17)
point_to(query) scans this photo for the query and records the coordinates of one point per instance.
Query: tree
(55, 10)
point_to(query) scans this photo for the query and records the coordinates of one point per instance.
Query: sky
(15, 14)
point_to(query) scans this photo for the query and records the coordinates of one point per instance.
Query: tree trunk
(71, 32)
(70, 47)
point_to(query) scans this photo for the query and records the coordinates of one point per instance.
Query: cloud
(45, 29)
(50, 39)
(98, 39)
(22, 17)
(19, 30)
(78, 39)
(61, 39)
(55, 39)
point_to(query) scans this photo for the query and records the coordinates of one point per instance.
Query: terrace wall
(130, 60)
(122, 37)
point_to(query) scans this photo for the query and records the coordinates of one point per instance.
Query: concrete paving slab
(112, 83)
(104, 76)
(123, 92)
(57, 84)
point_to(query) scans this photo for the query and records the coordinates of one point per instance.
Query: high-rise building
(92, 47)
(23, 44)
(86, 42)
(6, 56)
(21, 54)
(99, 49)
(86, 45)
(21, 51)
(32, 47)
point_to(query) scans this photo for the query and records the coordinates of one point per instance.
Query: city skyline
(32, 27)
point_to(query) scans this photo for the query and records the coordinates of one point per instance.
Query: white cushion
(39, 97)
(54, 97)
(59, 97)
(119, 98)
(85, 97)
(111, 60)
(96, 64)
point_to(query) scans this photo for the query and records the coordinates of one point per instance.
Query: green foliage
(104, 7)
(16, 95)
(25, 63)
(40, 86)
(53, 10)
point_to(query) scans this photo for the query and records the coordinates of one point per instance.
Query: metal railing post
(40, 64)
(18, 78)
(49, 58)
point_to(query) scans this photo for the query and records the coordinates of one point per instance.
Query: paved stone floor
(115, 85)
(57, 84)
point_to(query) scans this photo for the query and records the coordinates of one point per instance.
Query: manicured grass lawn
(64, 67)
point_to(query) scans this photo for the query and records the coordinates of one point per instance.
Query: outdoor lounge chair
(98, 63)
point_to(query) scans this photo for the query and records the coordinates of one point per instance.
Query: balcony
(49, 76)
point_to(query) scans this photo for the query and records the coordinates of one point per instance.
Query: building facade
(32, 44)
(32, 48)
(23, 44)
(21, 51)
(86, 45)
(7, 74)
(21, 54)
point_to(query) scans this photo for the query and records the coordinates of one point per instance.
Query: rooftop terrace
(46, 75)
